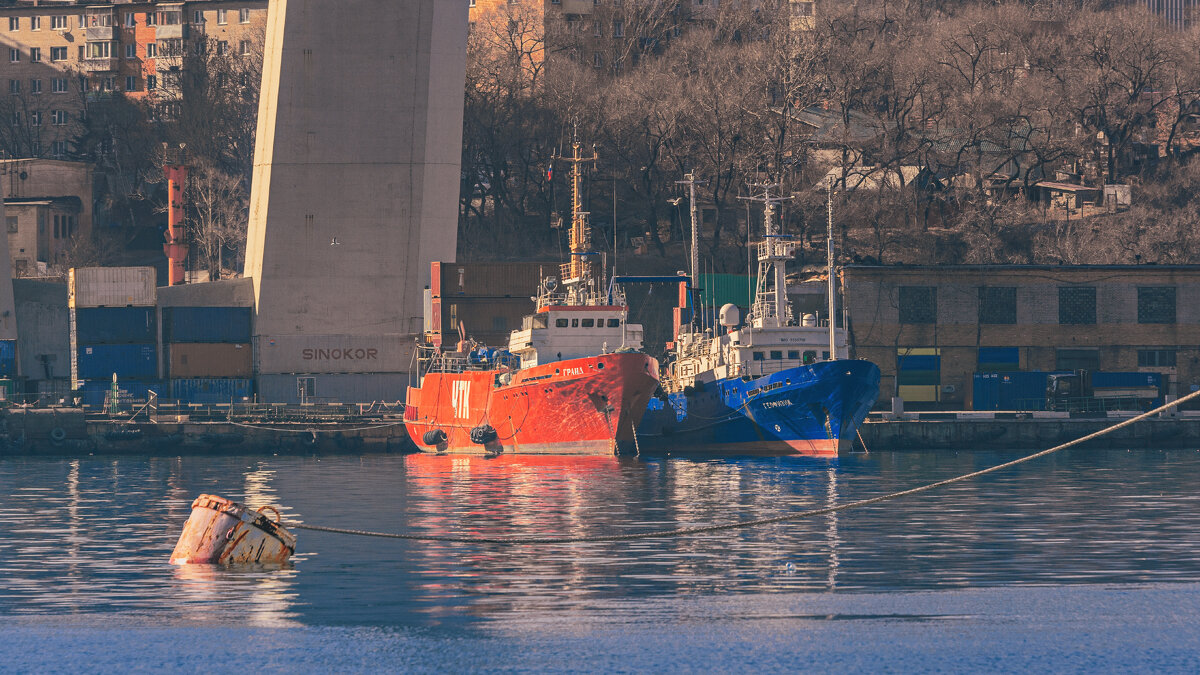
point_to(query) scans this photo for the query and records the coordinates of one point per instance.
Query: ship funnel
(730, 316)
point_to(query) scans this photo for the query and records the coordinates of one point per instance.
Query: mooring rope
(311, 429)
(687, 531)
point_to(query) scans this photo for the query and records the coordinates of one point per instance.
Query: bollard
(220, 531)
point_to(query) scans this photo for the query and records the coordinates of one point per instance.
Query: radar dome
(730, 316)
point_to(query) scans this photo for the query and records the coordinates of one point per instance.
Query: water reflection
(92, 536)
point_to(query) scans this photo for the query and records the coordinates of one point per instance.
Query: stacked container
(209, 357)
(114, 331)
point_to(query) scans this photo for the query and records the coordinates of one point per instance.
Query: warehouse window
(918, 304)
(1156, 358)
(1076, 305)
(1156, 304)
(1077, 359)
(997, 305)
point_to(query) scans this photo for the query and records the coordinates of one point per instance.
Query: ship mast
(689, 180)
(771, 307)
(830, 290)
(577, 275)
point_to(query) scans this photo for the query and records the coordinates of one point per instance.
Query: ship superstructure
(572, 380)
(775, 383)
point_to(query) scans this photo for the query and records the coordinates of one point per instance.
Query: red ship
(572, 381)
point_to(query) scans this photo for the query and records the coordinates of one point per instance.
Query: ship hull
(812, 410)
(585, 406)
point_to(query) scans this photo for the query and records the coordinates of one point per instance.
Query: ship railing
(773, 249)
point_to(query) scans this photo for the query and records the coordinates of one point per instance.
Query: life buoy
(58, 435)
(433, 437)
(483, 434)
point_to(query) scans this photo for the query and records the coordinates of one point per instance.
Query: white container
(275, 354)
(112, 287)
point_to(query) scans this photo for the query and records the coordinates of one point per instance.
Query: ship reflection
(531, 496)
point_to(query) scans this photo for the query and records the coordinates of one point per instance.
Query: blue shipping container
(208, 390)
(115, 325)
(8, 358)
(206, 324)
(1127, 380)
(130, 393)
(99, 362)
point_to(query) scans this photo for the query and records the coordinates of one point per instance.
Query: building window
(58, 85)
(997, 305)
(1077, 359)
(151, 50)
(1156, 358)
(130, 83)
(1156, 304)
(618, 28)
(198, 17)
(131, 20)
(99, 50)
(918, 304)
(1077, 305)
(14, 23)
(35, 55)
(244, 15)
(58, 148)
(35, 118)
(14, 86)
(131, 51)
(151, 82)
(58, 54)
(58, 117)
(597, 60)
(151, 18)
(244, 47)
(35, 86)
(596, 30)
(12, 224)
(222, 47)
(35, 23)
(222, 17)
(14, 55)
(59, 22)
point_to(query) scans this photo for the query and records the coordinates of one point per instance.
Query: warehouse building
(932, 328)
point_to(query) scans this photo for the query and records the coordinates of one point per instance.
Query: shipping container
(1126, 380)
(486, 320)
(212, 390)
(99, 362)
(276, 354)
(130, 394)
(210, 359)
(326, 388)
(8, 358)
(206, 324)
(111, 287)
(115, 325)
(489, 280)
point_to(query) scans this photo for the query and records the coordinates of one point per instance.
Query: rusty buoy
(220, 531)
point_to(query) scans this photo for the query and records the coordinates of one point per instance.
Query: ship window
(758, 356)
(613, 323)
(539, 321)
(810, 356)
(794, 355)
(776, 355)
(560, 323)
(589, 323)
(825, 355)
(574, 323)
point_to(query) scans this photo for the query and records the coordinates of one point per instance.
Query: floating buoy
(220, 531)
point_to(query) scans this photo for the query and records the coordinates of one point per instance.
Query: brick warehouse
(930, 328)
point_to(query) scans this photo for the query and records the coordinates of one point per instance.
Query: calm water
(1087, 560)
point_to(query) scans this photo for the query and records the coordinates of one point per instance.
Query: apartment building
(56, 57)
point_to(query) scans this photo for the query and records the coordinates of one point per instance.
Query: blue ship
(775, 384)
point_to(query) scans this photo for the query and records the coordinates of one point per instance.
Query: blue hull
(810, 410)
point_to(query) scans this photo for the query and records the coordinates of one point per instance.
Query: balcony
(578, 6)
(98, 24)
(169, 31)
(99, 33)
(99, 65)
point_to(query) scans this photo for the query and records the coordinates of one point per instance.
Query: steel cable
(687, 531)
